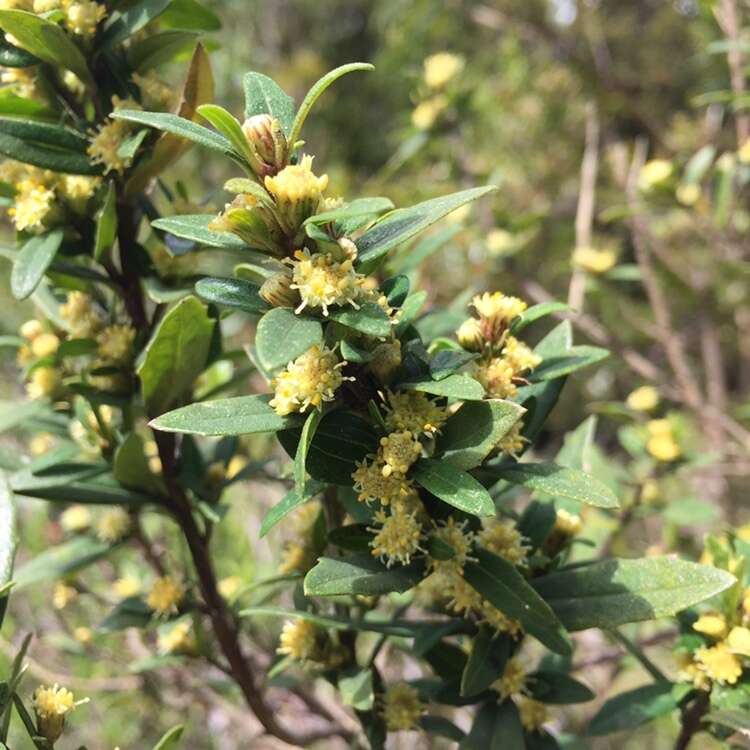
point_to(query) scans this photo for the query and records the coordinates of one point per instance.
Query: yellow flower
(414, 411)
(594, 261)
(371, 484)
(719, 663)
(499, 621)
(501, 537)
(32, 204)
(45, 345)
(178, 639)
(44, 382)
(712, 624)
(83, 634)
(661, 444)
(566, 523)
(738, 641)
(51, 704)
(40, 444)
(470, 336)
(513, 441)
(397, 538)
(105, 143)
(496, 306)
(645, 398)
(496, 376)
(22, 80)
(519, 356)
(165, 596)
(300, 639)
(235, 466)
(385, 360)
(398, 451)
(513, 680)
(78, 312)
(321, 281)
(113, 525)
(441, 68)
(743, 153)
(308, 381)
(460, 540)
(78, 187)
(31, 329)
(83, 16)
(115, 342)
(401, 707)
(297, 191)
(500, 241)
(426, 113)
(76, 518)
(126, 587)
(533, 714)
(62, 595)
(229, 587)
(688, 194)
(654, 173)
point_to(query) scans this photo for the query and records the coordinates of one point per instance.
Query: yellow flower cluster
(297, 192)
(513, 441)
(308, 381)
(719, 664)
(533, 714)
(51, 705)
(402, 707)
(63, 594)
(43, 382)
(371, 484)
(441, 68)
(104, 143)
(113, 525)
(83, 16)
(398, 535)
(115, 343)
(75, 519)
(644, 398)
(178, 639)
(322, 281)
(301, 640)
(513, 679)
(80, 315)
(654, 173)
(661, 443)
(413, 411)
(592, 260)
(398, 451)
(567, 524)
(165, 596)
(501, 537)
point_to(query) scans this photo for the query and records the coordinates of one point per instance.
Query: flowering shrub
(431, 564)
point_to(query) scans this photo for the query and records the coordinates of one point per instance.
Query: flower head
(33, 203)
(156, 94)
(300, 639)
(113, 525)
(297, 191)
(51, 705)
(513, 679)
(104, 146)
(115, 343)
(44, 381)
(654, 173)
(567, 524)
(178, 639)
(501, 537)
(661, 443)
(533, 714)
(308, 381)
(401, 707)
(513, 441)
(79, 313)
(397, 536)
(165, 596)
(712, 624)
(398, 451)
(83, 16)
(592, 260)
(414, 411)
(459, 539)
(497, 307)
(442, 67)
(76, 518)
(322, 281)
(63, 594)
(519, 356)
(76, 187)
(738, 641)
(644, 398)
(470, 336)
(371, 484)
(719, 663)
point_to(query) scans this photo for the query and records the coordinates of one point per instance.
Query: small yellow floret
(300, 639)
(654, 173)
(441, 68)
(397, 536)
(78, 312)
(165, 596)
(738, 641)
(76, 518)
(115, 343)
(513, 680)
(371, 484)
(83, 16)
(62, 595)
(402, 707)
(566, 523)
(719, 663)
(533, 714)
(45, 345)
(497, 306)
(113, 525)
(44, 382)
(126, 587)
(230, 586)
(179, 639)
(40, 444)
(321, 281)
(501, 537)
(426, 113)
(33, 202)
(644, 398)
(661, 443)
(398, 451)
(519, 356)
(31, 329)
(594, 261)
(460, 539)
(712, 624)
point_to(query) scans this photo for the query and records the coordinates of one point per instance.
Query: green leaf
(341, 440)
(576, 358)
(358, 574)
(195, 227)
(614, 592)
(558, 688)
(171, 739)
(454, 386)
(633, 708)
(457, 488)
(410, 258)
(404, 223)
(506, 589)
(474, 430)
(46, 40)
(303, 447)
(447, 361)
(356, 690)
(241, 415)
(159, 48)
(64, 559)
(293, 499)
(13, 413)
(560, 481)
(496, 727)
(369, 319)
(180, 126)
(282, 336)
(122, 24)
(232, 293)
(482, 669)
(441, 727)
(46, 157)
(353, 215)
(737, 720)
(7, 540)
(315, 92)
(130, 465)
(32, 262)
(263, 96)
(132, 612)
(175, 355)
(534, 313)
(228, 126)
(15, 57)
(47, 134)
(190, 15)
(12, 105)
(106, 224)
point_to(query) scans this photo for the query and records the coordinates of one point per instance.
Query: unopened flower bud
(386, 360)
(245, 218)
(277, 291)
(469, 335)
(267, 143)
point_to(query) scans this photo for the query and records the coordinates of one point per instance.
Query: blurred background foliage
(537, 85)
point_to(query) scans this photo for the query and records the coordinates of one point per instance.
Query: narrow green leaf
(282, 336)
(534, 313)
(315, 92)
(7, 540)
(576, 358)
(46, 157)
(455, 487)
(558, 688)
(506, 589)
(303, 447)
(64, 559)
(132, 612)
(560, 481)
(47, 134)
(237, 293)
(159, 48)
(474, 430)
(482, 669)
(356, 689)
(293, 499)
(15, 57)
(130, 466)
(633, 708)
(404, 223)
(359, 574)
(175, 355)
(241, 415)
(123, 24)
(13, 413)
(191, 15)
(447, 361)
(171, 739)
(263, 96)
(45, 40)
(32, 262)
(352, 215)
(369, 319)
(454, 386)
(611, 593)
(441, 727)
(106, 224)
(195, 227)
(228, 126)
